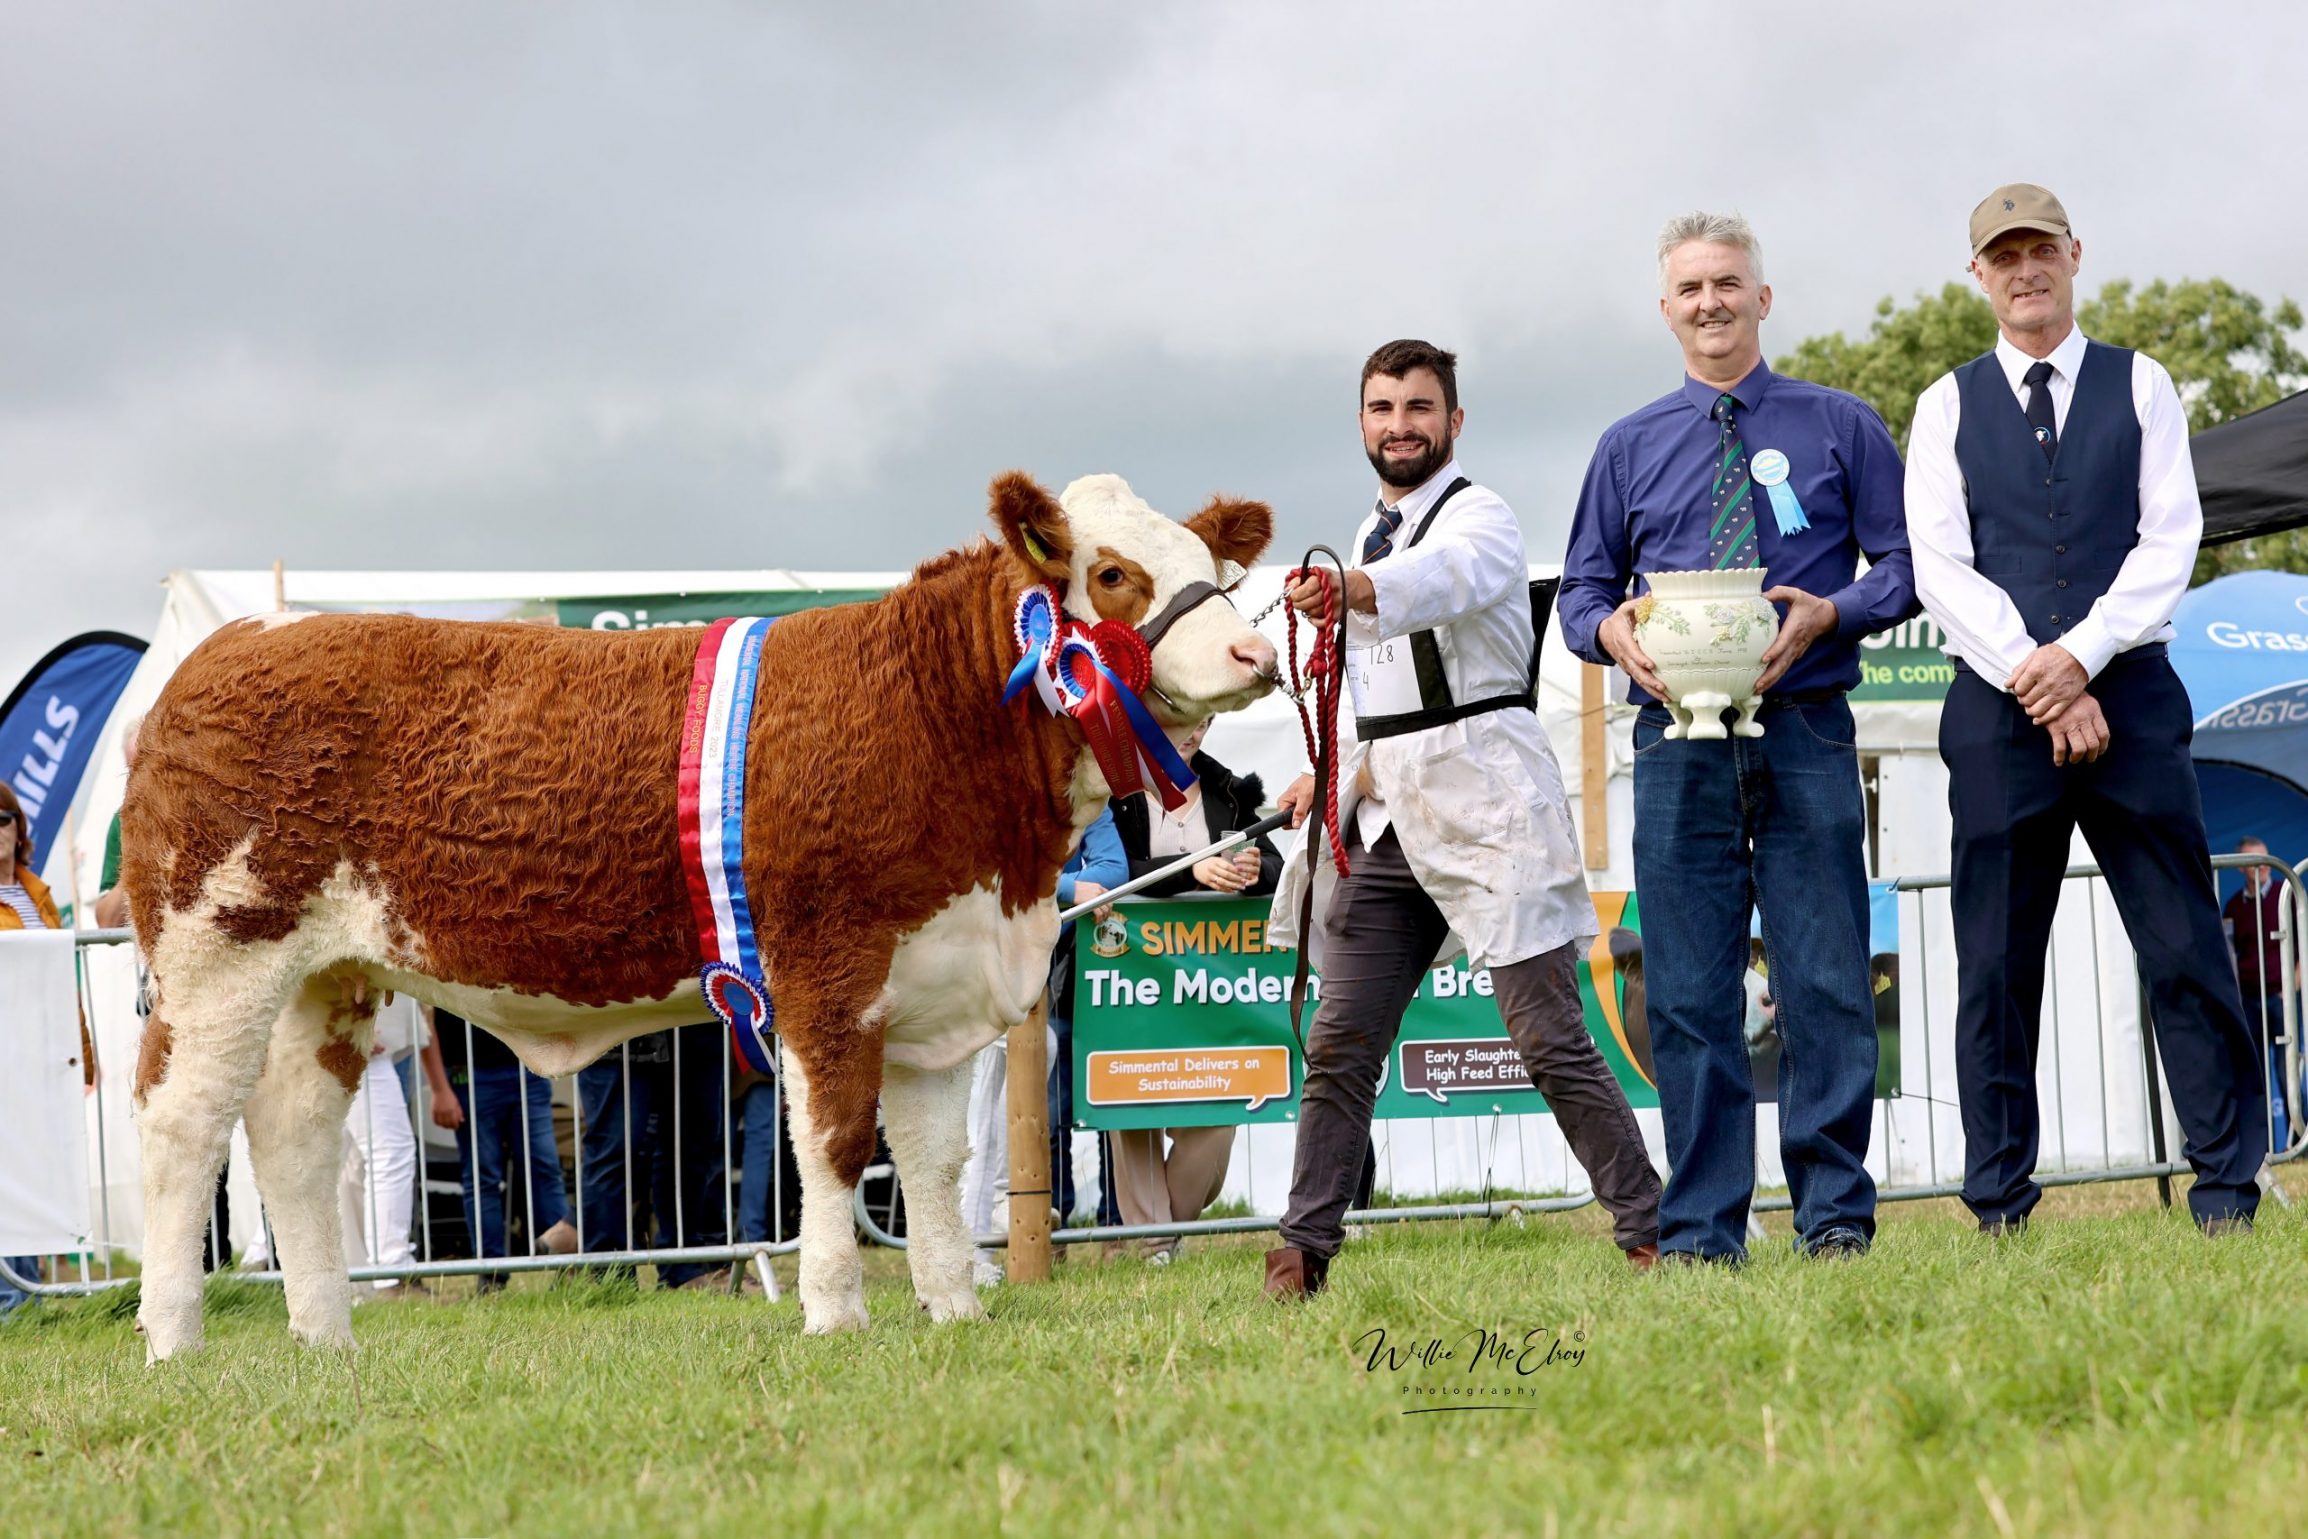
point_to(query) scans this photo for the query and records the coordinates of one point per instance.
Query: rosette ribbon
(1093, 673)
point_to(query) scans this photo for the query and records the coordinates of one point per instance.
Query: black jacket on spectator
(1229, 802)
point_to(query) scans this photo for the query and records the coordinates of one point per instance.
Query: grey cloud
(621, 286)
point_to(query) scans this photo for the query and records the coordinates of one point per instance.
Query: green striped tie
(1731, 541)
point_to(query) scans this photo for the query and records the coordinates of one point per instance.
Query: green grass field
(2109, 1374)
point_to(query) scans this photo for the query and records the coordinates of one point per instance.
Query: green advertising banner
(648, 611)
(1180, 1020)
(1904, 663)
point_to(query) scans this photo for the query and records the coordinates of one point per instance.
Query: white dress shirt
(1477, 805)
(1983, 626)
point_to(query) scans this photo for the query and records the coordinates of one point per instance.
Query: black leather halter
(1192, 596)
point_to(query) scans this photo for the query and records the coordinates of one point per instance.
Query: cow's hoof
(164, 1340)
(962, 1305)
(325, 1338)
(833, 1322)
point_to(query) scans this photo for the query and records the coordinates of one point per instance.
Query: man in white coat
(1455, 824)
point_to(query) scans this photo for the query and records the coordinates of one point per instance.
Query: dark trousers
(666, 1125)
(2141, 813)
(506, 1156)
(1379, 938)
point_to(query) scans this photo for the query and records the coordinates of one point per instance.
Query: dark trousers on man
(656, 1146)
(2139, 809)
(1379, 938)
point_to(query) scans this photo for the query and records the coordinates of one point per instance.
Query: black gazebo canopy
(2253, 472)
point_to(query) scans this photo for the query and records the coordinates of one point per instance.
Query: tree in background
(2228, 351)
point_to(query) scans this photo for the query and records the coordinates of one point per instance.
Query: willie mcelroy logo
(1480, 1369)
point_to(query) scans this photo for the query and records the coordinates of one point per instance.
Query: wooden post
(1594, 769)
(1028, 1088)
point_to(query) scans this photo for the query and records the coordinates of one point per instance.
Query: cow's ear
(1234, 530)
(1032, 524)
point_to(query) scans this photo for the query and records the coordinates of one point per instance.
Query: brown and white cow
(484, 817)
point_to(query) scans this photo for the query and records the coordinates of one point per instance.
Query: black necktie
(2039, 382)
(1381, 533)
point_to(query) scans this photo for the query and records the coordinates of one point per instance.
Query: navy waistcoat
(2054, 532)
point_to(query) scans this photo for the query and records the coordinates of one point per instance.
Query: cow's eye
(1111, 576)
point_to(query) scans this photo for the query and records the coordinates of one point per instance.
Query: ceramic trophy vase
(1706, 632)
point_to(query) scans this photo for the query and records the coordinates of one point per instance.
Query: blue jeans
(491, 1136)
(26, 1267)
(770, 1174)
(676, 1182)
(1722, 829)
(2268, 1017)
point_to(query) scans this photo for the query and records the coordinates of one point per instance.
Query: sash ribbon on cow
(713, 734)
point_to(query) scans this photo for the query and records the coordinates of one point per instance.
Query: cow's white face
(1118, 559)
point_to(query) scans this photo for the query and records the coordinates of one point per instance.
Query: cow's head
(1114, 558)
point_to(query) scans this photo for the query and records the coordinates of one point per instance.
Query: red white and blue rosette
(1095, 674)
(713, 737)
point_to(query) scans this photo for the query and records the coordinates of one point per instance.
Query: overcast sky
(684, 284)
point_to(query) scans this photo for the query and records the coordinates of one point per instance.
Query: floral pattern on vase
(1705, 633)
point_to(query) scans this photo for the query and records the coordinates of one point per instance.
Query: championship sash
(713, 735)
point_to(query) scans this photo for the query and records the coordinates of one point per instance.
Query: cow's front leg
(831, 1103)
(928, 1121)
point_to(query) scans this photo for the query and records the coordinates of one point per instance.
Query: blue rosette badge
(1770, 472)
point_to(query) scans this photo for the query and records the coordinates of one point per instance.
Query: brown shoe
(1293, 1274)
(1643, 1257)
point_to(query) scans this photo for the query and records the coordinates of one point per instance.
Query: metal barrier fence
(657, 1152)
(2122, 1078)
(2122, 1069)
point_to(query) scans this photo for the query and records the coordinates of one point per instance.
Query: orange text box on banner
(1251, 1075)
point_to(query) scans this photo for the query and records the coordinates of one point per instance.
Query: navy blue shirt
(1647, 500)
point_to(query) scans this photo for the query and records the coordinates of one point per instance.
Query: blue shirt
(1646, 508)
(1098, 857)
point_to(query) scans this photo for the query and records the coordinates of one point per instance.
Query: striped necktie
(1381, 535)
(1731, 539)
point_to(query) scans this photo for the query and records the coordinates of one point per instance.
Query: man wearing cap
(1741, 467)
(2053, 508)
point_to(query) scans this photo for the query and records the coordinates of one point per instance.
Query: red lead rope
(1324, 673)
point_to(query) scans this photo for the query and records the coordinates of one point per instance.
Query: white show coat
(1477, 805)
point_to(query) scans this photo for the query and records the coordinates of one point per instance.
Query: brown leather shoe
(1643, 1257)
(1293, 1274)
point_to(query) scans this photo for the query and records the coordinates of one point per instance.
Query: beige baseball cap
(2018, 206)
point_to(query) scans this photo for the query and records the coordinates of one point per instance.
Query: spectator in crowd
(111, 906)
(1152, 1187)
(2251, 917)
(656, 1147)
(503, 1118)
(25, 904)
(380, 1187)
(1096, 865)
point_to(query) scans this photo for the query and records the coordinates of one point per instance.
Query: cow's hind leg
(927, 1113)
(831, 1099)
(201, 1053)
(296, 1130)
